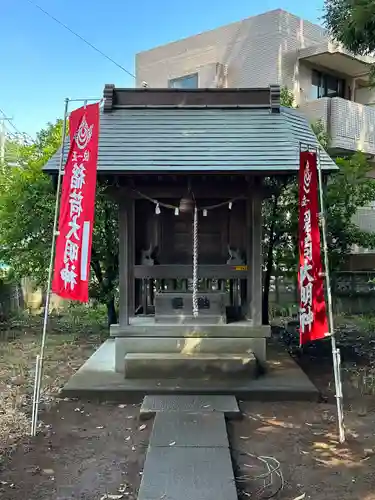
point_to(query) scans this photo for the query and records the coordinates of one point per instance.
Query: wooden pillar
(256, 259)
(131, 256)
(249, 253)
(126, 260)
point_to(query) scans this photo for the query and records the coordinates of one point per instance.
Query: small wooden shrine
(187, 168)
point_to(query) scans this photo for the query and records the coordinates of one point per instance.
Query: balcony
(335, 57)
(350, 125)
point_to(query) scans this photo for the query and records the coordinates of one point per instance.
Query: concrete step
(188, 403)
(97, 379)
(147, 327)
(186, 345)
(189, 430)
(193, 366)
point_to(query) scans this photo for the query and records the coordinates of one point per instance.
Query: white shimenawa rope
(195, 263)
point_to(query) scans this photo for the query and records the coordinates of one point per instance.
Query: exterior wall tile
(352, 126)
(258, 51)
(365, 95)
(365, 218)
(317, 110)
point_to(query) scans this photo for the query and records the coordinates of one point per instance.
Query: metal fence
(10, 298)
(353, 292)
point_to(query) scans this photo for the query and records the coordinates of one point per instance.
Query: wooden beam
(256, 260)
(175, 271)
(265, 97)
(123, 264)
(208, 189)
(126, 260)
(249, 253)
(202, 191)
(131, 255)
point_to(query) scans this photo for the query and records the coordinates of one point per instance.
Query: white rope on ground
(264, 492)
(195, 263)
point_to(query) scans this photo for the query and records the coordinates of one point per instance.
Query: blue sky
(42, 63)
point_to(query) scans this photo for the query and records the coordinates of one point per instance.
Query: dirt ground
(96, 451)
(70, 341)
(84, 451)
(303, 438)
(91, 451)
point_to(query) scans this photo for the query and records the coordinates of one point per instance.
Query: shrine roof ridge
(260, 98)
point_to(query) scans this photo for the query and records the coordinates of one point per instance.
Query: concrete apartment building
(328, 82)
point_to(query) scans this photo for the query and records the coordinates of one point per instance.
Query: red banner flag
(312, 310)
(77, 207)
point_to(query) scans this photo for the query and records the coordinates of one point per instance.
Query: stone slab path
(189, 430)
(188, 456)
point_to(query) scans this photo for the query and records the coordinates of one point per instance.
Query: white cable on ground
(272, 478)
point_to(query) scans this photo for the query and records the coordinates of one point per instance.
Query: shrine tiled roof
(255, 134)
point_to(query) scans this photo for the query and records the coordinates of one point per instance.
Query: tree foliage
(27, 202)
(346, 190)
(352, 23)
(27, 205)
(287, 98)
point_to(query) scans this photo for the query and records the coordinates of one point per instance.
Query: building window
(184, 82)
(325, 85)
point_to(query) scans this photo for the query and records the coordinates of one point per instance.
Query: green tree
(352, 23)
(27, 202)
(287, 97)
(278, 238)
(277, 232)
(346, 190)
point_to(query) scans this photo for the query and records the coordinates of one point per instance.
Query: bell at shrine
(187, 203)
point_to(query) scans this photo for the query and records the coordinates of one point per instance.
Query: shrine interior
(157, 214)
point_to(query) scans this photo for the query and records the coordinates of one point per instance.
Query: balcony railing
(350, 125)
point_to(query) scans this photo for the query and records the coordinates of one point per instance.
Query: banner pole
(40, 358)
(335, 351)
(34, 395)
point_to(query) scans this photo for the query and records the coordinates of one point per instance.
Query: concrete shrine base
(145, 336)
(283, 380)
